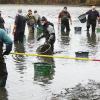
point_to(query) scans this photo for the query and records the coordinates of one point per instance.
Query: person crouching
(48, 32)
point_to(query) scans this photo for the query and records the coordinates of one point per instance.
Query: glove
(51, 37)
(38, 39)
(35, 25)
(28, 23)
(8, 49)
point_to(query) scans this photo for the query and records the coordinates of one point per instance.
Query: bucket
(42, 68)
(98, 29)
(43, 72)
(82, 54)
(82, 18)
(77, 29)
(44, 49)
(99, 21)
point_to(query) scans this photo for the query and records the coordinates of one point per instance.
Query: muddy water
(23, 82)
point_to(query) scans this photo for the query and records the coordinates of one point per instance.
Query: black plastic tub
(82, 54)
(82, 18)
(77, 29)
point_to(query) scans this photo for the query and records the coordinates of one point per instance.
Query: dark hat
(19, 10)
(65, 7)
(35, 11)
(29, 10)
(43, 19)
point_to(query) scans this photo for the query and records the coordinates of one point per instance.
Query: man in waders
(63, 18)
(31, 21)
(4, 39)
(93, 15)
(38, 23)
(48, 32)
(19, 27)
(2, 22)
(37, 18)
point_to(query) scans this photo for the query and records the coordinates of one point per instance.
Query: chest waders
(47, 35)
(65, 23)
(3, 69)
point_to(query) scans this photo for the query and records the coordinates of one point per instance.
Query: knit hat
(43, 19)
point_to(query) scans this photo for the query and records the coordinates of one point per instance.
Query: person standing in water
(63, 18)
(93, 15)
(19, 27)
(31, 21)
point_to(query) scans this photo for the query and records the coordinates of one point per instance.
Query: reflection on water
(65, 39)
(65, 33)
(3, 94)
(19, 47)
(45, 72)
(91, 39)
(19, 59)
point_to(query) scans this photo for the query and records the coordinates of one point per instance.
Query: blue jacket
(4, 38)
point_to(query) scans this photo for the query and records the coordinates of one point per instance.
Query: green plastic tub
(98, 30)
(42, 69)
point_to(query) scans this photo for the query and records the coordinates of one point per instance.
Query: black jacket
(48, 34)
(20, 22)
(92, 15)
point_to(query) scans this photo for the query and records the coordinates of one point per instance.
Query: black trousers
(3, 72)
(91, 23)
(19, 36)
(65, 25)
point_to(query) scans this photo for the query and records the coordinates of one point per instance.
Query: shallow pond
(23, 82)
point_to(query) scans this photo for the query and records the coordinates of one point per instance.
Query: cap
(29, 10)
(35, 11)
(65, 7)
(19, 10)
(43, 19)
